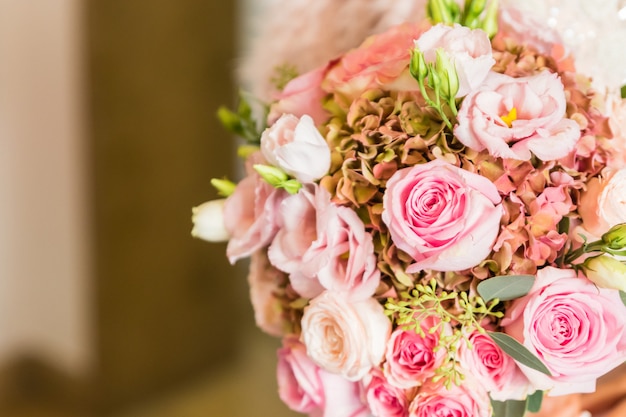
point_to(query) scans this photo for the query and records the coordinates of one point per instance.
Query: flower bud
(615, 238)
(208, 221)
(447, 73)
(490, 24)
(439, 12)
(606, 272)
(272, 175)
(224, 187)
(418, 67)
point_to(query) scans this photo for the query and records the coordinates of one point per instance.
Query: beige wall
(44, 234)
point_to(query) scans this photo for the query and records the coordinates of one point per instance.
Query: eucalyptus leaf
(533, 401)
(509, 408)
(622, 295)
(505, 287)
(517, 351)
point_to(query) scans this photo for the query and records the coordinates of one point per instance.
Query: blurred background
(108, 137)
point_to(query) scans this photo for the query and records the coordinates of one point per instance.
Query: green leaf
(622, 295)
(623, 91)
(506, 287)
(509, 408)
(517, 351)
(533, 401)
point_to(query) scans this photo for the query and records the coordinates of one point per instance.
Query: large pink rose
(297, 147)
(469, 51)
(384, 399)
(342, 257)
(603, 205)
(577, 329)
(250, 216)
(306, 388)
(496, 371)
(263, 280)
(466, 400)
(302, 95)
(345, 338)
(516, 117)
(444, 217)
(381, 61)
(412, 359)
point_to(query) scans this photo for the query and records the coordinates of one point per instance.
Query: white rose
(208, 221)
(345, 338)
(297, 147)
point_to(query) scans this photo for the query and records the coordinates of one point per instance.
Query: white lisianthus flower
(296, 146)
(208, 221)
(606, 272)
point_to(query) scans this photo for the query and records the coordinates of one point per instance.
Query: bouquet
(435, 221)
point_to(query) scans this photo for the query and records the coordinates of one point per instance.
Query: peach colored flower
(345, 338)
(603, 204)
(263, 280)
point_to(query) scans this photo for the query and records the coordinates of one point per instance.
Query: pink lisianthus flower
(444, 217)
(516, 117)
(382, 61)
(384, 399)
(306, 388)
(345, 338)
(466, 400)
(412, 359)
(342, 257)
(297, 147)
(574, 327)
(302, 96)
(250, 216)
(496, 371)
(469, 50)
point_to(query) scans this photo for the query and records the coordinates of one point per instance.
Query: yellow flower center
(510, 118)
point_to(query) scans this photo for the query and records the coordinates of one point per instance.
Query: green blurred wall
(165, 303)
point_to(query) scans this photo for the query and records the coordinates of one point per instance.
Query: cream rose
(345, 338)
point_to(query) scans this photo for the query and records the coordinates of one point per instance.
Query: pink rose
(381, 61)
(412, 359)
(341, 259)
(306, 388)
(384, 399)
(512, 117)
(444, 217)
(302, 95)
(466, 400)
(263, 280)
(345, 338)
(469, 51)
(577, 329)
(297, 147)
(250, 216)
(603, 205)
(496, 371)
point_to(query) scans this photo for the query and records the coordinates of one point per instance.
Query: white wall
(44, 254)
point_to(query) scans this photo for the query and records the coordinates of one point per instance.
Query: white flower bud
(208, 221)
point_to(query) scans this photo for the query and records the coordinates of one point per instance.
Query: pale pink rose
(466, 400)
(263, 280)
(302, 95)
(342, 257)
(381, 61)
(496, 371)
(250, 216)
(603, 204)
(617, 122)
(345, 338)
(539, 127)
(577, 329)
(384, 399)
(444, 217)
(412, 359)
(468, 50)
(297, 147)
(525, 29)
(306, 388)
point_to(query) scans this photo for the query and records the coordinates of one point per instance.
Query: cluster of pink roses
(487, 197)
